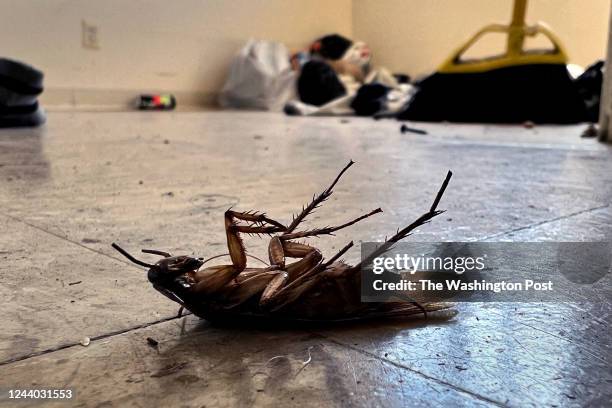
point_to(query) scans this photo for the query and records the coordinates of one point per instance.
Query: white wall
(178, 46)
(415, 36)
(185, 46)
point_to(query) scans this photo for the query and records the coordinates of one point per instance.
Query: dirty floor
(163, 180)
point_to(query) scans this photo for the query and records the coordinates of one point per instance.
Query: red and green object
(157, 102)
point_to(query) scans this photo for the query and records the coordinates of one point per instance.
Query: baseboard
(113, 99)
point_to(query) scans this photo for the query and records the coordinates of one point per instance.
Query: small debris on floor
(166, 141)
(406, 129)
(460, 368)
(85, 341)
(590, 131)
(305, 362)
(168, 194)
(528, 124)
(345, 121)
(140, 182)
(258, 137)
(90, 241)
(152, 342)
(74, 283)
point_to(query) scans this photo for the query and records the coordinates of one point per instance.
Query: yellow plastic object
(517, 30)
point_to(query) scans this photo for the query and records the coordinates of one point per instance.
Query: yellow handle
(517, 30)
(519, 12)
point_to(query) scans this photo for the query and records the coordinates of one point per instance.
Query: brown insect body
(311, 288)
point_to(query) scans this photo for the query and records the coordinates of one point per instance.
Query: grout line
(99, 337)
(537, 224)
(56, 235)
(419, 373)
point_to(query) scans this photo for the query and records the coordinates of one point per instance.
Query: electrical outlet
(89, 36)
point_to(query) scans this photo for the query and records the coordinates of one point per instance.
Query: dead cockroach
(311, 288)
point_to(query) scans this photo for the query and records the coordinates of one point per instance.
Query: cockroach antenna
(156, 252)
(130, 257)
(227, 254)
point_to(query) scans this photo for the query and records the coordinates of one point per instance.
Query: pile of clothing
(20, 85)
(336, 77)
(333, 77)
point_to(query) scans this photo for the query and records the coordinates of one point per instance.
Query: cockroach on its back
(311, 288)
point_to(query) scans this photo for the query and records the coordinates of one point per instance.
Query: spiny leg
(254, 216)
(232, 230)
(278, 250)
(212, 279)
(306, 279)
(327, 230)
(316, 201)
(280, 247)
(404, 232)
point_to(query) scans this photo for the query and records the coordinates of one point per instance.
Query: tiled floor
(163, 180)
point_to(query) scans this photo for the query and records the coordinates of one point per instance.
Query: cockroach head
(167, 269)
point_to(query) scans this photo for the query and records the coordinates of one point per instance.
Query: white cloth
(260, 77)
(396, 98)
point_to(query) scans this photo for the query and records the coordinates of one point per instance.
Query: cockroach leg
(291, 272)
(319, 268)
(305, 281)
(297, 249)
(255, 217)
(309, 261)
(276, 252)
(235, 245)
(316, 201)
(180, 312)
(403, 233)
(296, 274)
(327, 230)
(279, 250)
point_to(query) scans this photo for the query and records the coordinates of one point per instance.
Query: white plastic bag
(260, 77)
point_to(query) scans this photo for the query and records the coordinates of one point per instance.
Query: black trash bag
(541, 93)
(370, 99)
(319, 84)
(589, 88)
(331, 46)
